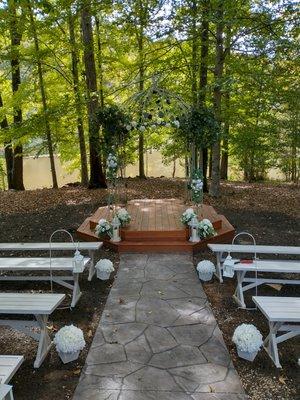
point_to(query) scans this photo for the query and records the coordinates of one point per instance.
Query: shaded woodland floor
(269, 211)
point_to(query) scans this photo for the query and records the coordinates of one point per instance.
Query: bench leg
(239, 293)
(92, 269)
(219, 268)
(270, 343)
(76, 294)
(44, 340)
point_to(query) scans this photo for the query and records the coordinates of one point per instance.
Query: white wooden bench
(283, 315)
(90, 247)
(245, 282)
(220, 249)
(6, 392)
(40, 264)
(8, 367)
(38, 305)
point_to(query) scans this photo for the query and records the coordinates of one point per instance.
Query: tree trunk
(76, 90)
(15, 36)
(218, 74)
(140, 40)
(100, 61)
(8, 152)
(97, 178)
(224, 158)
(203, 76)
(43, 96)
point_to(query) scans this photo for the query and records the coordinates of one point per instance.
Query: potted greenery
(205, 270)
(205, 228)
(187, 216)
(103, 228)
(69, 342)
(104, 268)
(123, 216)
(248, 341)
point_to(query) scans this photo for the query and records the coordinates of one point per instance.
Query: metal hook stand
(254, 260)
(50, 254)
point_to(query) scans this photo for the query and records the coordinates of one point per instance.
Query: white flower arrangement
(206, 267)
(197, 185)
(247, 338)
(123, 216)
(111, 162)
(69, 339)
(105, 265)
(206, 228)
(103, 228)
(187, 216)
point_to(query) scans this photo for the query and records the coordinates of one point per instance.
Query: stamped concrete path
(157, 338)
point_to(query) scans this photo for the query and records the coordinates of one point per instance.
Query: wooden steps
(156, 227)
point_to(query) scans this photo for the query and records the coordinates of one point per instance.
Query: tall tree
(77, 96)
(217, 97)
(15, 36)
(203, 72)
(8, 152)
(43, 93)
(97, 177)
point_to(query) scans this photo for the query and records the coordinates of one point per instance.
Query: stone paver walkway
(157, 338)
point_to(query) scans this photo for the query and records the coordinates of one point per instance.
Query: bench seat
(283, 315)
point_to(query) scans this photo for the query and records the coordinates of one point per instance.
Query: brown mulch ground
(266, 210)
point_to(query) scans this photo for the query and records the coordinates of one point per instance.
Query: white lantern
(228, 267)
(194, 236)
(78, 262)
(115, 223)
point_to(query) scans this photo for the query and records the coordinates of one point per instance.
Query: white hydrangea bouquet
(187, 216)
(196, 186)
(248, 341)
(205, 270)
(206, 229)
(69, 341)
(111, 167)
(103, 228)
(123, 216)
(104, 268)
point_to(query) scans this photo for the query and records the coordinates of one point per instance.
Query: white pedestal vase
(205, 276)
(68, 357)
(247, 355)
(103, 275)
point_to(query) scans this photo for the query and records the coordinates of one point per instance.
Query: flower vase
(103, 275)
(68, 357)
(246, 355)
(205, 276)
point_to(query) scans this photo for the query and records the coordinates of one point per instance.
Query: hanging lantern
(228, 267)
(194, 236)
(78, 262)
(115, 223)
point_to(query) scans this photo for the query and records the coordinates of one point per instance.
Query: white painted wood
(278, 266)
(279, 311)
(38, 264)
(91, 247)
(59, 246)
(259, 249)
(245, 282)
(9, 366)
(41, 264)
(29, 303)
(6, 392)
(284, 309)
(39, 305)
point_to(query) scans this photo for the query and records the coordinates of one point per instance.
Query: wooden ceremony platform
(155, 227)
